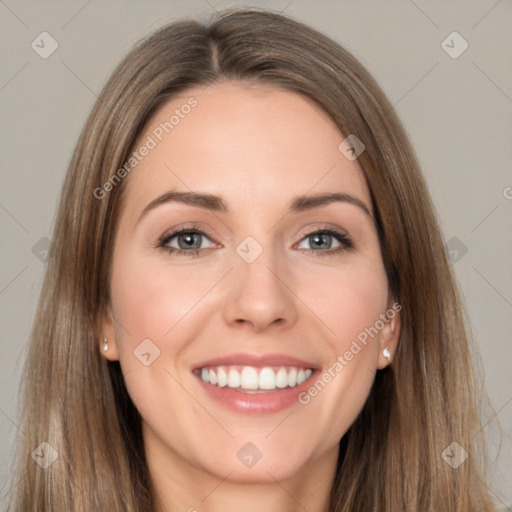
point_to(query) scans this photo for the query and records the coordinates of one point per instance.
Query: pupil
(322, 240)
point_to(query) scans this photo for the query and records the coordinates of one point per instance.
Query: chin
(248, 464)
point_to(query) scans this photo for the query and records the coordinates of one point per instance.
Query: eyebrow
(216, 203)
(303, 203)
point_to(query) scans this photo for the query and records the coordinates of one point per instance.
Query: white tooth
(267, 379)
(222, 377)
(233, 378)
(249, 378)
(292, 377)
(281, 378)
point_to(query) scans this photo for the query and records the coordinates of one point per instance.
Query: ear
(107, 331)
(390, 334)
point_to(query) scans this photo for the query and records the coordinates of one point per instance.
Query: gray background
(456, 110)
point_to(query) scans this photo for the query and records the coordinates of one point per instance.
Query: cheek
(348, 300)
(349, 305)
(149, 301)
(151, 307)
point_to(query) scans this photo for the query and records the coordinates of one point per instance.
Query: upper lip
(256, 360)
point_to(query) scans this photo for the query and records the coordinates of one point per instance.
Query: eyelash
(344, 240)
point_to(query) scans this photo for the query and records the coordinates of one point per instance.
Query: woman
(247, 303)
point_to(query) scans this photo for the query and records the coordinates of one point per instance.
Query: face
(249, 301)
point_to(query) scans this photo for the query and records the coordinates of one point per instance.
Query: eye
(324, 240)
(185, 242)
(190, 241)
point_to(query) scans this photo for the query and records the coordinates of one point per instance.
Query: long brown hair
(74, 400)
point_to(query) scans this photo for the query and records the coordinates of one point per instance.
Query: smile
(255, 384)
(253, 379)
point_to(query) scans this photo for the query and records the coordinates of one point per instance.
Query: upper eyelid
(186, 229)
(167, 237)
(330, 229)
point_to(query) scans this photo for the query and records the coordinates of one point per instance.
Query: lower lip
(256, 404)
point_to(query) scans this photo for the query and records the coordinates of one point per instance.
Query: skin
(258, 148)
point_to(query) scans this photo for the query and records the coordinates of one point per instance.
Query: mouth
(254, 380)
(252, 384)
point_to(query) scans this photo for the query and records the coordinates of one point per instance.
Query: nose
(260, 295)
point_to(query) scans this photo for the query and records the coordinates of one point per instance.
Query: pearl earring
(386, 354)
(105, 344)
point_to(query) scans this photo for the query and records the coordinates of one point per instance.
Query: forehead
(252, 144)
